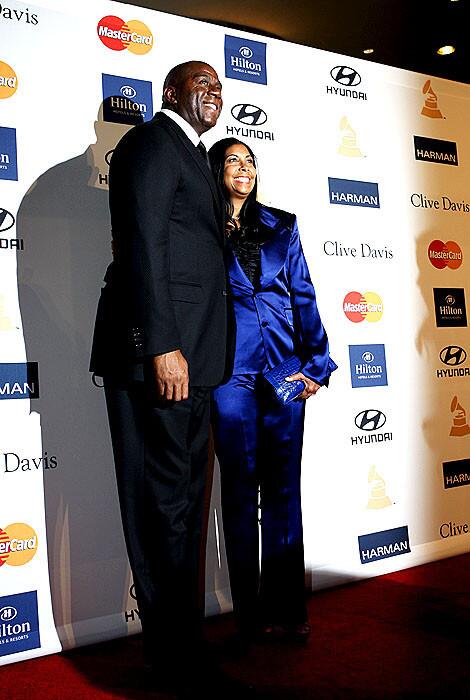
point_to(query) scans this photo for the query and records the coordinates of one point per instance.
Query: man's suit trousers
(160, 451)
(258, 442)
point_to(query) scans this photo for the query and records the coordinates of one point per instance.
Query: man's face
(197, 96)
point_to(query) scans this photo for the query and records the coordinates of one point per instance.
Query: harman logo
(251, 116)
(8, 613)
(369, 421)
(19, 380)
(245, 59)
(430, 107)
(384, 544)
(452, 529)
(359, 307)
(453, 356)
(435, 150)
(348, 146)
(347, 78)
(456, 473)
(421, 201)
(18, 15)
(365, 250)
(443, 255)
(7, 220)
(377, 491)
(18, 544)
(8, 164)
(460, 427)
(116, 34)
(19, 623)
(13, 462)
(449, 306)
(126, 100)
(8, 81)
(354, 193)
(368, 365)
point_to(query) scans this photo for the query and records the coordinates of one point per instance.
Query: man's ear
(169, 95)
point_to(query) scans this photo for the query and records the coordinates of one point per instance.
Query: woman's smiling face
(239, 171)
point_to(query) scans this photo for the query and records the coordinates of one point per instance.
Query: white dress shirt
(187, 128)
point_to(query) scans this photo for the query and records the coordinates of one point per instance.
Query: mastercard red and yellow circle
(18, 544)
(8, 81)
(443, 255)
(363, 307)
(118, 35)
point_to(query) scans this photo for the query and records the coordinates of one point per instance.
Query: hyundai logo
(8, 613)
(108, 156)
(368, 357)
(249, 114)
(7, 220)
(453, 355)
(345, 76)
(128, 91)
(370, 419)
(245, 51)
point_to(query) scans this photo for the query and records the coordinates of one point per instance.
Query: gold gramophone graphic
(430, 108)
(348, 146)
(5, 321)
(460, 426)
(377, 495)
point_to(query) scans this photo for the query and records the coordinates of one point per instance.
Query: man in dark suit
(160, 344)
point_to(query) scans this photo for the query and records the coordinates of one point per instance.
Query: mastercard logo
(363, 307)
(18, 544)
(8, 81)
(443, 255)
(119, 35)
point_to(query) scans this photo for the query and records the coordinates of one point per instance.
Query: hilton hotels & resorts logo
(456, 473)
(368, 365)
(8, 162)
(435, 150)
(449, 307)
(126, 100)
(384, 544)
(354, 193)
(19, 623)
(245, 59)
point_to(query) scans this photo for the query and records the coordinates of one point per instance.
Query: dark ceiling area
(403, 33)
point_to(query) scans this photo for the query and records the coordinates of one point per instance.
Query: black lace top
(247, 245)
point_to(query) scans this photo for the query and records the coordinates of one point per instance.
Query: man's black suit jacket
(166, 288)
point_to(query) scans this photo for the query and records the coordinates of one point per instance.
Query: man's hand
(171, 375)
(311, 387)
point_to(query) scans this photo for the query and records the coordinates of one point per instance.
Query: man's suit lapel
(194, 154)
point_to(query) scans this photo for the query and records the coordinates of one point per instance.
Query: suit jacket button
(264, 324)
(224, 292)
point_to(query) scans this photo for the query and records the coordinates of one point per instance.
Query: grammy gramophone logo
(430, 107)
(377, 491)
(348, 146)
(460, 427)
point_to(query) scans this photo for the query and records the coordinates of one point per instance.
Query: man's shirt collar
(187, 128)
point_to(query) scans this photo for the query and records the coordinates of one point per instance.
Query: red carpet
(405, 635)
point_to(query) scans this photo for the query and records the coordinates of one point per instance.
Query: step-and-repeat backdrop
(375, 162)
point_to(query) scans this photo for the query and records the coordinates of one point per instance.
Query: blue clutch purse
(286, 391)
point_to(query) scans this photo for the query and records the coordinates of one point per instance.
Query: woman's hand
(311, 387)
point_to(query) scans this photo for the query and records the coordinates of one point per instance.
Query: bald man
(160, 345)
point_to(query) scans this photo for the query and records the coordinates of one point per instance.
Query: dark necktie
(202, 150)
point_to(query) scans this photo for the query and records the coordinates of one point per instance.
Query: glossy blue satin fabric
(281, 317)
(258, 440)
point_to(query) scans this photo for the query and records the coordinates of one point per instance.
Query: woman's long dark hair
(248, 218)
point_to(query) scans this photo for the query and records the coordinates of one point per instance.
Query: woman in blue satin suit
(258, 440)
